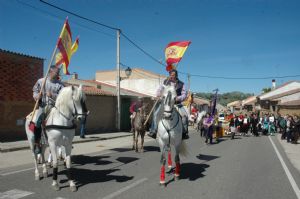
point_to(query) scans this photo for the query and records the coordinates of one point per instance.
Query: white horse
(170, 133)
(31, 140)
(60, 127)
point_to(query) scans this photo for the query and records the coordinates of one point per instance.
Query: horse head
(80, 109)
(71, 102)
(169, 97)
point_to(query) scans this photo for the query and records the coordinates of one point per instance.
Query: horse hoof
(162, 184)
(176, 177)
(37, 178)
(73, 188)
(55, 187)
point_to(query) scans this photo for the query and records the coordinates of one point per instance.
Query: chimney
(74, 76)
(273, 84)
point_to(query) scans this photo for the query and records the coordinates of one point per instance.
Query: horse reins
(74, 114)
(168, 130)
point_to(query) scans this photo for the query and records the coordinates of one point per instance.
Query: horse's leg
(136, 140)
(169, 158)
(162, 169)
(45, 172)
(53, 151)
(36, 171)
(177, 162)
(142, 141)
(69, 169)
(133, 140)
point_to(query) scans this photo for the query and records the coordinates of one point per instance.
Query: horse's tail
(184, 149)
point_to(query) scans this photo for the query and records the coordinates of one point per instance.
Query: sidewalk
(21, 145)
(292, 151)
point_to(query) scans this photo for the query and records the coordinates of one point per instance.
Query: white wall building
(140, 80)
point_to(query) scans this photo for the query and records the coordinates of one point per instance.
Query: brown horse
(139, 128)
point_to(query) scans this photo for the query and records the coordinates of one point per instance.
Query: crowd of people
(265, 124)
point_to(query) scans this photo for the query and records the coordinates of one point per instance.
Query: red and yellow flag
(175, 50)
(66, 48)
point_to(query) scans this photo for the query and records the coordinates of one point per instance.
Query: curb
(16, 148)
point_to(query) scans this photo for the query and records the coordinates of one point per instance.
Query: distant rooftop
(20, 54)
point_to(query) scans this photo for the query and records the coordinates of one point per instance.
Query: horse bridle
(75, 113)
(168, 98)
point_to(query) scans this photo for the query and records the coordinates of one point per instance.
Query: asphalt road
(247, 167)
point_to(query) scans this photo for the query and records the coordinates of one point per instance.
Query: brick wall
(18, 74)
(102, 116)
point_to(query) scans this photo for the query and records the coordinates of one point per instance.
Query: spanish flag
(65, 48)
(175, 50)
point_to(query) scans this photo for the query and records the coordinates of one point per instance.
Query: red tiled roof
(88, 90)
(124, 89)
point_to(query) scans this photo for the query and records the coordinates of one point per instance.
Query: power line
(57, 17)
(133, 43)
(107, 26)
(74, 14)
(154, 59)
(239, 78)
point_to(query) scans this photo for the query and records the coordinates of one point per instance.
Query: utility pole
(189, 81)
(118, 83)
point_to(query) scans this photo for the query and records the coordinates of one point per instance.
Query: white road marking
(112, 195)
(14, 172)
(287, 171)
(14, 194)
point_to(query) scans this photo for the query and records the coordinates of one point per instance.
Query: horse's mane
(66, 94)
(167, 88)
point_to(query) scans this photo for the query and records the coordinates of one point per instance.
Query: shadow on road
(207, 157)
(121, 149)
(126, 160)
(192, 171)
(84, 159)
(87, 176)
(151, 148)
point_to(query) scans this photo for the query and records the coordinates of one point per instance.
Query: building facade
(18, 74)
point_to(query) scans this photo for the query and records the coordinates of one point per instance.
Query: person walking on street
(208, 128)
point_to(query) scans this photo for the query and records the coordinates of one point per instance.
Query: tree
(266, 90)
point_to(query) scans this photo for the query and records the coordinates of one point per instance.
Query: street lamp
(128, 72)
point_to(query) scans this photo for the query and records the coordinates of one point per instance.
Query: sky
(241, 39)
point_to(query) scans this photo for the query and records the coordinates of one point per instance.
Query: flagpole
(46, 76)
(44, 82)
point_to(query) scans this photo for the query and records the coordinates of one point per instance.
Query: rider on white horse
(181, 96)
(52, 87)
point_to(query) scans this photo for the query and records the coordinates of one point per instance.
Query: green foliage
(266, 90)
(225, 98)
